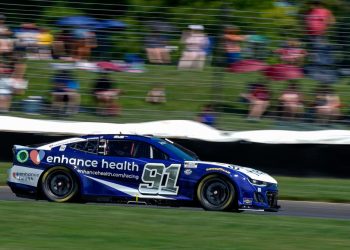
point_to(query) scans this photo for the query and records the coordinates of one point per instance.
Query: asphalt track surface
(288, 208)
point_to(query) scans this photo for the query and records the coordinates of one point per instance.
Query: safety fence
(281, 66)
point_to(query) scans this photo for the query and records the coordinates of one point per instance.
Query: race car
(139, 169)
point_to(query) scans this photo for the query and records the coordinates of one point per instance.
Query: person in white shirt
(195, 42)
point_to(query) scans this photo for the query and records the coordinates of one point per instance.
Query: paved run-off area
(288, 208)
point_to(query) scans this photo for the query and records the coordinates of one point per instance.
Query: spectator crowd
(90, 49)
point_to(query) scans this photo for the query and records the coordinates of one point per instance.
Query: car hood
(250, 172)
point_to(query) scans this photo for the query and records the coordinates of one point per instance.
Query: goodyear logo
(218, 169)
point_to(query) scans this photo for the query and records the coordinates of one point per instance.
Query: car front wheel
(215, 193)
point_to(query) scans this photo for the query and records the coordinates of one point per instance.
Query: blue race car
(133, 168)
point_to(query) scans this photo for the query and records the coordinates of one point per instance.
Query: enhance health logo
(37, 156)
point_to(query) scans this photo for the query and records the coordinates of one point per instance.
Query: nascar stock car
(134, 168)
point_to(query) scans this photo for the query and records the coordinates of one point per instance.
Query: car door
(116, 161)
(160, 174)
(140, 166)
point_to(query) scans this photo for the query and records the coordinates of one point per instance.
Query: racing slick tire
(59, 184)
(215, 193)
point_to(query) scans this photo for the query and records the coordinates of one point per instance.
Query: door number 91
(153, 179)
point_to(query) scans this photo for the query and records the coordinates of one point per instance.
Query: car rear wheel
(215, 193)
(59, 184)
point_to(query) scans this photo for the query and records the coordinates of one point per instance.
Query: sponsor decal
(108, 174)
(247, 201)
(218, 169)
(126, 166)
(119, 136)
(254, 171)
(130, 166)
(188, 171)
(25, 177)
(190, 164)
(62, 148)
(37, 156)
(22, 156)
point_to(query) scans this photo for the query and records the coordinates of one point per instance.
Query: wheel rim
(60, 184)
(216, 192)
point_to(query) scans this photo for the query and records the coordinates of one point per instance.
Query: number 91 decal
(153, 179)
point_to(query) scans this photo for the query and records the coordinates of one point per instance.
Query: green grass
(186, 92)
(3, 172)
(314, 189)
(38, 225)
(291, 188)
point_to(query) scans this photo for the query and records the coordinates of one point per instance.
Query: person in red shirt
(317, 22)
(318, 19)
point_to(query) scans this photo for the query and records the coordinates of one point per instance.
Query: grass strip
(42, 225)
(314, 189)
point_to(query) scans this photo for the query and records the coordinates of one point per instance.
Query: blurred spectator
(156, 48)
(291, 101)
(5, 95)
(327, 104)
(196, 43)
(104, 50)
(6, 46)
(62, 46)
(27, 39)
(6, 43)
(156, 42)
(45, 40)
(156, 95)
(317, 21)
(106, 95)
(207, 115)
(4, 31)
(65, 95)
(292, 53)
(255, 46)
(84, 42)
(18, 68)
(258, 97)
(232, 40)
(12, 69)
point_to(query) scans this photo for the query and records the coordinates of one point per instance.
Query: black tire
(59, 184)
(215, 193)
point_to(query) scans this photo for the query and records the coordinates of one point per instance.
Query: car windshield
(181, 152)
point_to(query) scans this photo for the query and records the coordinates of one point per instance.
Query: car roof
(122, 136)
(145, 138)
